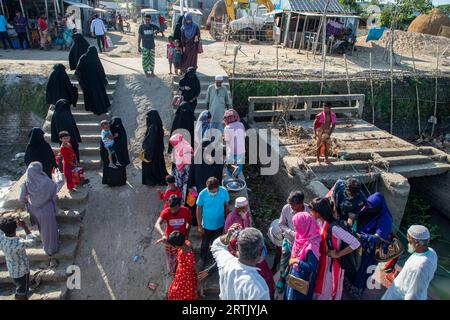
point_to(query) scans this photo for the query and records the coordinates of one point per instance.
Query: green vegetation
(418, 211)
(26, 96)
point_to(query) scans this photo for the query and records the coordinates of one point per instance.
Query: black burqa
(177, 31)
(184, 119)
(190, 79)
(79, 47)
(60, 87)
(199, 173)
(39, 150)
(62, 120)
(93, 82)
(154, 172)
(116, 177)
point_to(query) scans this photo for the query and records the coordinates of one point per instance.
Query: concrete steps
(421, 170)
(52, 291)
(110, 94)
(111, 84)
(80, 116)
(46, 275)
(406, 160)
(86, 149)
(67, 231)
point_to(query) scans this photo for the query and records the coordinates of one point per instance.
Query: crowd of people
(322, 247)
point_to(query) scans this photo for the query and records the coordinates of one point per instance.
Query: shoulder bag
(387, 250)
(299, 284)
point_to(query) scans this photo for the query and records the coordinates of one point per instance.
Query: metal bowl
(234, 184)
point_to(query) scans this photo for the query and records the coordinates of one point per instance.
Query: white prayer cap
(275, 234)
(218, 78)
(241, 202)
(419, 232)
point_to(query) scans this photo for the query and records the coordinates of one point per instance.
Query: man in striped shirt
(13, 248)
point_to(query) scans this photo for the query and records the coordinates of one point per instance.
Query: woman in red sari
(184, 284)
(69, 159)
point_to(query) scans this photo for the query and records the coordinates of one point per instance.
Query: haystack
(218, 11)
(430, 23)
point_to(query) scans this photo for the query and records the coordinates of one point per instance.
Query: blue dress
(304, 270)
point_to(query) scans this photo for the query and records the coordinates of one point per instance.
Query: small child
(170, 51)
(108, 141)
(177, 57)
(69, 159)
(35, 39)
(171, 189)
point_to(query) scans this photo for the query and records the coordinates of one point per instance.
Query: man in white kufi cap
(217, 101)
(413, 281)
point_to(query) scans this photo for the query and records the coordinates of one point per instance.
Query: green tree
(445, 8)
(406, 11)
(350, 4)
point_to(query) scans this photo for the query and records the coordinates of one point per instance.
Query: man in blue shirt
(21, 24)
(212, 207)
(4, 32)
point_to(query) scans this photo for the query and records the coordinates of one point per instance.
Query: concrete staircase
(71, 210)
(205, 81)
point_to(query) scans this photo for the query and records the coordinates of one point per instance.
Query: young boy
(69, 159)
(170, 52)
(16, 257)
(177, 57)
(108, 141)
(171, 189)
(324, 125)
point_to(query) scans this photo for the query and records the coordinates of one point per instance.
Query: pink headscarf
(182, 151)
(307, 237)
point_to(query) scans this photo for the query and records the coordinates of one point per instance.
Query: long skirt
(148, 59)
(356, 283)
(45, 219)
(114, 177)
(155, 172)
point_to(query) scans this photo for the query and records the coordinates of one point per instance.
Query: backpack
(350, 262)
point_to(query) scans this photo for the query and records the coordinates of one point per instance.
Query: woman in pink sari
(182, 156)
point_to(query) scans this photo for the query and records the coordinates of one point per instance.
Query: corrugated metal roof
(317, 6)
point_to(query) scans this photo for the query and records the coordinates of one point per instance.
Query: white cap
(218, 78)
(241, 202)
(275, 234)
(419, 232)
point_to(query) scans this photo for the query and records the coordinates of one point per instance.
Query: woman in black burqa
(79, 47)
(62, 120)
(111, 176)
(184, 119)
(93, 82)
(39, 150)
(154, 172)
(177, 31)
(190, 87)
(60, 87)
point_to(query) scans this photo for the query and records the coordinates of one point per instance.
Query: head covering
(189, 29)
(230, 116)
(275, 233)
(201, 127)
(121, 142)
(182, 151)
(60, 87)
(241, 202)
(307, 237)
(218, 78)
(79, 47)
(419, 232)
(154, 136)
(375, 218)
(39, 186)
(39, 150)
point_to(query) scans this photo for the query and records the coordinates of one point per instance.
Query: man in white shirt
(238, 277)
(413, 281)
(217, 101)
(98, 30)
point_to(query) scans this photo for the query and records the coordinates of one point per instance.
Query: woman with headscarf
(182, 157)
(190, 39)
(201, 128)
(60, 87)
(154, 170)
(190, 87)
(305, 254)
(234, 137)
(62, 120)
(93, 82)
(79, 47)
(184, 120)
(39, 150)
(177, 31)
(374, 222)
(336, 243)
(115, 177)
(39, 195)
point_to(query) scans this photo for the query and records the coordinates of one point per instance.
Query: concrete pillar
(395, 189)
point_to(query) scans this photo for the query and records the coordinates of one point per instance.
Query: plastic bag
(57, 176)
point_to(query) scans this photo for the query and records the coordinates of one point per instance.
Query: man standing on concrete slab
(217, 101)
(413, 281)
(324, 125)
(20, 25)
(98, 30)
(146, 33)
(43, 30)
(4, 37)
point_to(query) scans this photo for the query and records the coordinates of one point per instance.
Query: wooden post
(251, 110)
(372, 102)
(436, 92)
(56, 9)
(324, 24)
(302, 40)
(286, 35)
(3, 9)
(391, 61)
(417, 93)
(296, 31)
(348, 80)
(236, 49)
(46, 12)
(21, 7)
